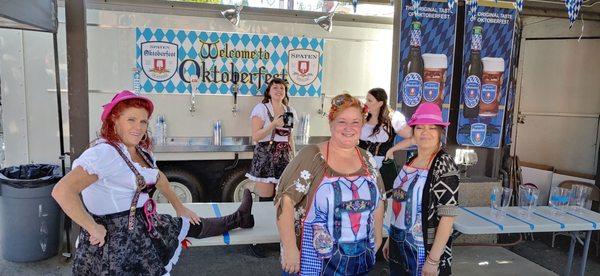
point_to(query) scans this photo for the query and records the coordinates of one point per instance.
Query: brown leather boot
(242, 218)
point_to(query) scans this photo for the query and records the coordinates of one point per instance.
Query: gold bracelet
(431, 261)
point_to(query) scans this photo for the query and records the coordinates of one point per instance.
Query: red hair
(344, 101)
(108, 131)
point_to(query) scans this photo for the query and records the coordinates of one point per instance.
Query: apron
(322, 252)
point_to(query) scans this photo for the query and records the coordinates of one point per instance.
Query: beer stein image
(434, 78)
(491, 86)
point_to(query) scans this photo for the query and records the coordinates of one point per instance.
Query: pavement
(528, 257)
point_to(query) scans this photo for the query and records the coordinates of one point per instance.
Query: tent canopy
(34, 15)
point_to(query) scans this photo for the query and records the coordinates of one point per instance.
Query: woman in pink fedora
(424, 202)
(121, 232)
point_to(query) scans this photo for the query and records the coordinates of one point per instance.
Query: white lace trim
(185, 227)
(265, 180)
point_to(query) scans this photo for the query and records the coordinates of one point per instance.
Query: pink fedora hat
(427, 114)
(123, 96)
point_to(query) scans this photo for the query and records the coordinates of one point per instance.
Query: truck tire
(234, 184)
(185, 185)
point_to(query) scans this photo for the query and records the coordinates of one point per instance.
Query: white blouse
(115, 187)
(261, 112)
(398, 122)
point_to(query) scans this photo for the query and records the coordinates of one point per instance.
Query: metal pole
(393, 102)
(77, 72)
(571, 253)
(586, 247)
(59, 105)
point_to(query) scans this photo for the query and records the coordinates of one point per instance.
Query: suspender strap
(337, 211)
(271, 118)
(139, 181)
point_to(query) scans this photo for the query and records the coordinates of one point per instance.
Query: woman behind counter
(378, 133)
(330, 201)
(121, 232)
(274, 142)
(424, 202)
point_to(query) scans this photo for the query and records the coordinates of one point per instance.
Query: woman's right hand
(277, 122)
(386, 250)
(290, 260)
(97, 235)
(389, 155)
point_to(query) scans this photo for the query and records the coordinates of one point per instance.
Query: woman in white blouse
(273, 137)
(121, 231)
(378, 133)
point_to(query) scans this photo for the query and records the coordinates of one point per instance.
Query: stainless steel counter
(228, 144)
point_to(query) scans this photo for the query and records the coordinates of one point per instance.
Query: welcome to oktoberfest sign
(167, 61)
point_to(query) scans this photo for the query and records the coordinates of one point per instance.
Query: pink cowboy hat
(123, 96)
(427, 114)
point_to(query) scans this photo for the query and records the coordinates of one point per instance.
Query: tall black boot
(242, 218)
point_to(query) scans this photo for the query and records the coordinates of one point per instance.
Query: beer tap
(321, 110)
(235, 90)
(193, 91)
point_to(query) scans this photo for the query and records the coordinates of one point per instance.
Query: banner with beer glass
(485, 77)
(426, 56)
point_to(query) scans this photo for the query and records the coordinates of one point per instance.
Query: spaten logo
(303, 66)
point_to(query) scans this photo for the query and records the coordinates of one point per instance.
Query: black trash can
(29, 216)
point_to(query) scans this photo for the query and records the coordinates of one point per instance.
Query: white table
(264, 230)
(478, 220)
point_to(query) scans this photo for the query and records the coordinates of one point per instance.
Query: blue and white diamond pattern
(416, 4)
(519, 5)
(573, 7)
(473, 10)
(191, 46)
(497, 41)
(438, 36)
(451, 4)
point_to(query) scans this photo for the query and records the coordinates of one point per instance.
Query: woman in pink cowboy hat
(424, 202)
(121, 232)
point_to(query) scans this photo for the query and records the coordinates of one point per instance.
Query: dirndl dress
(132, 252)
(138, 241)
(271, 157)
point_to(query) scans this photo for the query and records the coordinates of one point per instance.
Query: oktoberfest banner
(426, 56)
(489, 33)
(169, 61)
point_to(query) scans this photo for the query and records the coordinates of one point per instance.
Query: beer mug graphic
(434, 78)
(491, 86)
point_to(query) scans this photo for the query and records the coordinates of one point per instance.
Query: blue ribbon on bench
(562, 225)
(484, 218)
(531, 225)
(226, 238)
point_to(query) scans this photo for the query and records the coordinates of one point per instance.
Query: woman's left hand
(185, 212)
(430, 270)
